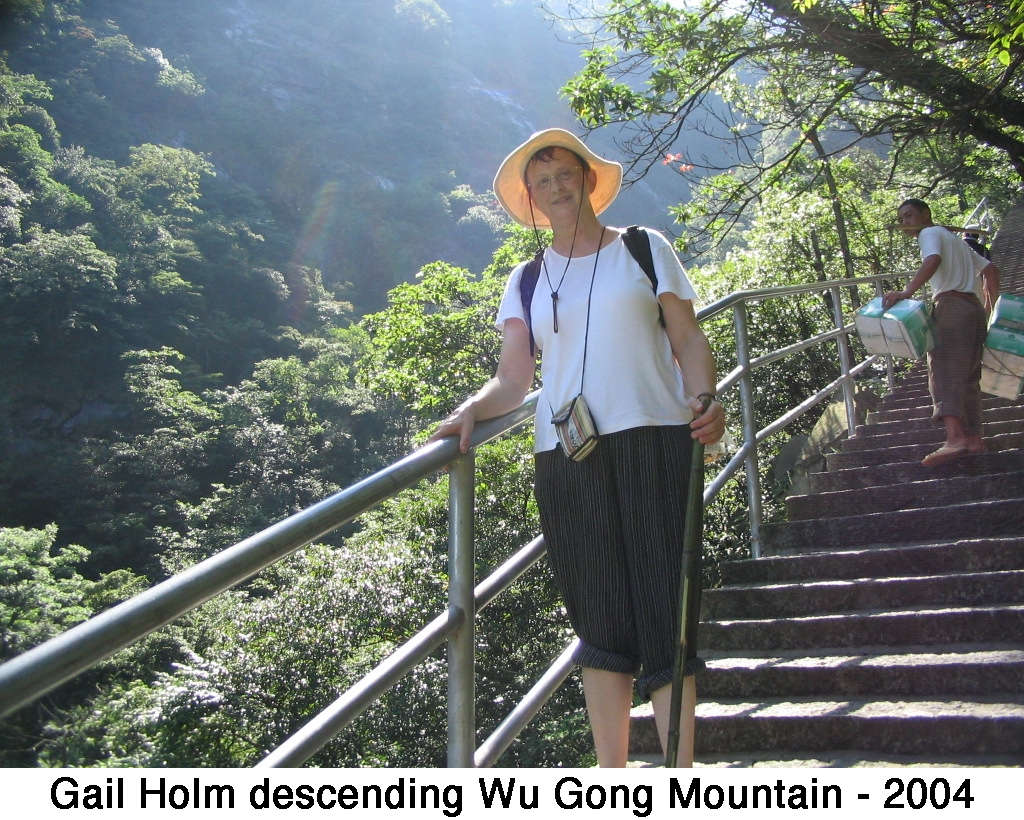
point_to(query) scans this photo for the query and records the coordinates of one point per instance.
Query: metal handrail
(32, 674)
(986, 217)
(37, 671)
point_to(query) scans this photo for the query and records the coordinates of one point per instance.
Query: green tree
(164, 179)
(16, 90)
(41, 592)
(41, 595)
(1008, 33)
(898, 73)
(12, 208)
(298, 430)
(55, 286)
(22, 153)
(325, 615)
(198, 468)
(436, 343)
(21, 8)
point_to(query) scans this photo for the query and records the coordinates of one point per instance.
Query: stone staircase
(885, 624)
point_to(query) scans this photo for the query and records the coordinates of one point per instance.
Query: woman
(612, 521)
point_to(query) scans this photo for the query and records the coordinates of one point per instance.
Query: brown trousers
(954, 364)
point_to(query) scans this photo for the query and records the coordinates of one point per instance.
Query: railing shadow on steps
(30, 675)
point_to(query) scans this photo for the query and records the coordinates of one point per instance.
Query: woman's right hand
(502, 394)
(460, 423)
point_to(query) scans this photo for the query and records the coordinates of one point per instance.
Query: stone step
(842, 759)
(936, 671)
(913, 415)
(931, 434)
(645, 752)
(925, 626)
(896, 727)
(977, 520)
(925, 422)
(853, 478)
(914, 397)
(920, 408)
(917, 375)
(912, 453)
(904, 398)
(966, 555)
(935, 492)
(863, 594)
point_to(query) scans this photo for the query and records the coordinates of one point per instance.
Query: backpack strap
(637, 242)
(527, 285)
(639, 245)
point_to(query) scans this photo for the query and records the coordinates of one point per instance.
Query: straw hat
(510, 183)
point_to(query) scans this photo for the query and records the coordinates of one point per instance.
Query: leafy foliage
(324, 615)
(436, 343)
(741, 94)
(41, 595)
(182, 253)
(1008, 33)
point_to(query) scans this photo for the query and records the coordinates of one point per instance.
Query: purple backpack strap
(527, 285)
(639, 245)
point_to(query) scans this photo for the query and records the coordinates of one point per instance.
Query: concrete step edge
(933, 434)
(895, 726)
(914, 452)
(880, 629)
(807, 598)
(877, 427)
(881, 675)
(924, 494)
(908, 468)
(980, 518)
(912, 612)
(859, 562)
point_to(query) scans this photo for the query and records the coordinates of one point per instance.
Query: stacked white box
(904, 330)
(1002, 360)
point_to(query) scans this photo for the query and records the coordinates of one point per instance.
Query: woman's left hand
(708, 426)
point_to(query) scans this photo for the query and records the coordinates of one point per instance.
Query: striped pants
(613, 525)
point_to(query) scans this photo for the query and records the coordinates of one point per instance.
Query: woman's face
(558, 184)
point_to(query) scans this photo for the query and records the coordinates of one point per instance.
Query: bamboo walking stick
(691, 565)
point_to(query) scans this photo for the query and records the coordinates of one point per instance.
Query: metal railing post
(746, 386)
(890, 372)
(849, 388)
(461, 571)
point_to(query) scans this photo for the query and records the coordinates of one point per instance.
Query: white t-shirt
(631, 377)
(960, 265)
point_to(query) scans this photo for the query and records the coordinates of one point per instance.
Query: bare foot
(976, 445)
(945, 454)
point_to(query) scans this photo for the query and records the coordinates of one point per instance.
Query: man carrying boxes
(959, 319)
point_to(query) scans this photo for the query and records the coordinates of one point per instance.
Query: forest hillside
(199, 201)
(248, 255)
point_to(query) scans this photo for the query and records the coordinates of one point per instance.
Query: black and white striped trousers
(613, 525)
